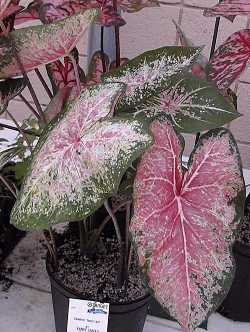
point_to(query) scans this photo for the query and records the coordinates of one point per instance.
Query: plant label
(87, 316)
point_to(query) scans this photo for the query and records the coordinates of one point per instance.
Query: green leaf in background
(79, 162)
(147, 71)
(192, 104)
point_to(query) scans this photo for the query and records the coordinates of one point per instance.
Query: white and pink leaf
(184, 221)
(42, 44)
(80, 160)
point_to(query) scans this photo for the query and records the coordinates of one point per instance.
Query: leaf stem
(78, 82)
(28, 132)
(8, 186)
(20, 129)
(42, 80)
(104, 68)
(120, 279)
(117, 39)
(29, 106)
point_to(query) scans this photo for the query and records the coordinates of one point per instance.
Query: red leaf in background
(96, 68)
(230, 59)
(123, 61)
(8, 7)
(109, 17)
(62, 74)
(28, 14)
(229, 9)
(184, 221)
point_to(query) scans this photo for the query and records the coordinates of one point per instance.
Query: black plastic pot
(236, 306)
(129, 317)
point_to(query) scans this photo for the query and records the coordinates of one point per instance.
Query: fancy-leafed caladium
(43, 44)
(9, 89)
(80, 161)
(229, 8)
(230, 59)
(184, 221)
(192, 104)
(146, 72)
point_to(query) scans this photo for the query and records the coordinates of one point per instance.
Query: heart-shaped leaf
(9, 89)
(229, 8)
(185, 220)
(148, 70)
(192, 104)
(80, 161)
(43, 44)
(230, 59)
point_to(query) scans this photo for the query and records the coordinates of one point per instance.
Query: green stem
(8, 186)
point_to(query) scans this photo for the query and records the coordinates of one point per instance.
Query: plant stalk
(83, 236)
(8, 186)
(42, 80)
(78, 82)
(117, 39)
(28, 132)
(20, 129)
(120, 275)
(29, 106)
(104, 68)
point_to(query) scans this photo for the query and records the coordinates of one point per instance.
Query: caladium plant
(97, 127)
(185, 220)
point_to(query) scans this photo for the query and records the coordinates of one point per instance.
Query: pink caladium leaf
(148, 70)
(229, 9)
(9, 89)
(185, 221)
(43, 44)
(96, 67)
(109, 17)
(31, 13)
(123, 61)
(62, 74)
(80, 160)
(9, 7)
(230, 59)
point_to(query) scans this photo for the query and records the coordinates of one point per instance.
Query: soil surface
(95, 277)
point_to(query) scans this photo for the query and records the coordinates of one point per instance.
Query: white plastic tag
(87, 316)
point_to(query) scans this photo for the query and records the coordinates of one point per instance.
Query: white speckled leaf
(42, 44)
(185, 220)
(192, 104)
(146, 72)
(80, 161)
